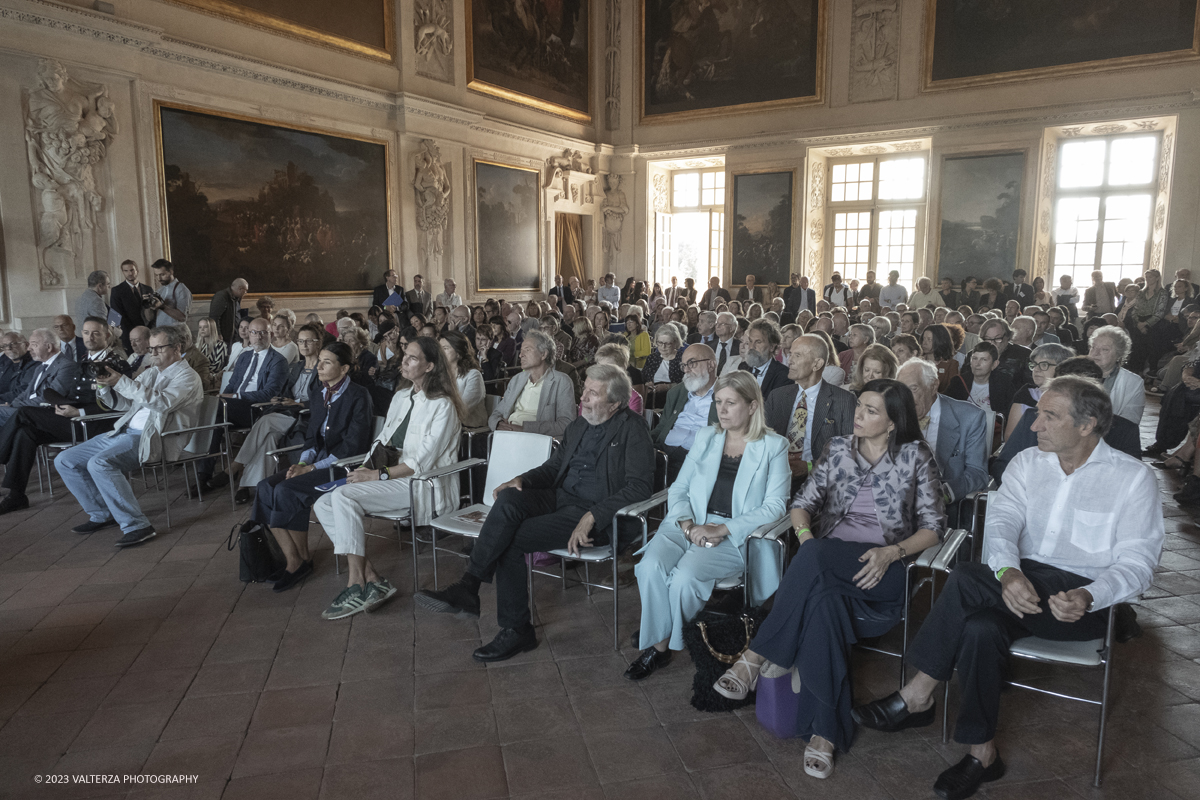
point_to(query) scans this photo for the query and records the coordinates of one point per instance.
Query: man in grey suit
(955, 430)
(55, 372)
(539, 399)
(809, 412)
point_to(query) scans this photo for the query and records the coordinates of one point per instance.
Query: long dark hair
(901, 409)
(943, 345)
(439, 383)
(465, 350)
(344, 355)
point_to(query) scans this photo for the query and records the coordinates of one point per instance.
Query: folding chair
(772, 533)
(79, 428)
(197, 449)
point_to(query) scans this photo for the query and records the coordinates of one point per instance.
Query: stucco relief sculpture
(874, 48)
(68, 127)
(432, 187)
(614, 208)
(612, 65)
(433, 39)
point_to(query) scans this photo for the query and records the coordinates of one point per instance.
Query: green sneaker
(377, 593)
(346, 604)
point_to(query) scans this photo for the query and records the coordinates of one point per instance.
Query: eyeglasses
(994, 339)
(688, 366)
(306, 340)
(1042, 365)
(160, 349)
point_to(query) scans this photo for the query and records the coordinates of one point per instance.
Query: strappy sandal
(824, 761)
(1179, 463)
(738, 688)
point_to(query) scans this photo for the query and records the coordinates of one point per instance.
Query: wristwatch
(383, 474)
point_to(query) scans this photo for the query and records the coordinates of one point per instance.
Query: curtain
(568, 239)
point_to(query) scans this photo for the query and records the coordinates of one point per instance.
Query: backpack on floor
(260, 554)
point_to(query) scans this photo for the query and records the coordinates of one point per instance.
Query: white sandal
(740, 688)
(821, 757)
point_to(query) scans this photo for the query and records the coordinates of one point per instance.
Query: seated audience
(164, 398)
(664, 367)
(539, 399)
(1109, 346)
(605, 463)
(69, 344)
(365, 361)
(468, 380)
(259, 375)
(420, 433)
(281, 335)
(874, 500)
(985, 388)
(212, 346)
(1042, 363)
(639, 340)
(339, 426)
(759, 347)
(192, 355)
(687, 409)
(617, 355)
(904, 347)
(734, 479)
(937, 347)
(833, 374)
(1014, 358)
(876, 361)
(16, 365)
(1055, 576)
(859, 337)
(53, 371)
(491, 363)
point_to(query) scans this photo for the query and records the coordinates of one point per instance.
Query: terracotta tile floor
(158, 661)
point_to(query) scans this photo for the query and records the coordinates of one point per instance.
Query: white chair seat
(732, 582)
(1083, 654)
(591, 554)
(451, 523)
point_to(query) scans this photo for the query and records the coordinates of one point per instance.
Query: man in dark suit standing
(808, 412)
(391, 285)
(563, 294)
(750, 293)
(126, 299)
(418, 298)
(796, 298)
(225, 309)
(713, 297)
(1021, 291)
(758, 357)
(605, 463)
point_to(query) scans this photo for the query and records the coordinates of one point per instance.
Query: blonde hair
(213, 333)
(880, 353)
(617, 353)
(742, 382)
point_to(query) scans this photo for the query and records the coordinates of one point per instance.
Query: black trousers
(241, 415)
(1174, 415)
(971, 627)
(675, 458)
(26, 431)
(520, 522)
(280, 502)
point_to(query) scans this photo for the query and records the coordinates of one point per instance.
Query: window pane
(1076, 222)
(902, 179)
(1082, 165)
(896, 227)
(716, 256)
(1126, 227)
(687, 190)
(851, 182)
(852, 260)
(1131, 160)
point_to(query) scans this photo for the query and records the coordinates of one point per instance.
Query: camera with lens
(93, 370)
(150, 299)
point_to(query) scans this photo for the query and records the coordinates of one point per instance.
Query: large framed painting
(761, 239)
(536, 53)
(294, 211)
(363, 27)
(1000, 41)
(980, 215)
(701, 58)
(507, 228)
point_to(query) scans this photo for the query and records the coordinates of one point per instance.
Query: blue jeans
(6, 413)
(96, 473)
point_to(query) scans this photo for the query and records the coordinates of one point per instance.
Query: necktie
(37, 379)
(721, 360)
(254, 362)
(69, 350)
(795, 433)
(137, 362)
(924, 422)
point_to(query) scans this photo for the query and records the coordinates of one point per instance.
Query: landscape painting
(534, 52)
(981, 216)
(506, 229)
(969, 42)
(762, 227)
(700, 57)
(291, 211)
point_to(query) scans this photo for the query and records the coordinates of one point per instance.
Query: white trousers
(341, 511)
(266, 434)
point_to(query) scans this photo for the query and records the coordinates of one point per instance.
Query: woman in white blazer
(464, 368)
(735, 479)
(423, 424)
(1109, 347)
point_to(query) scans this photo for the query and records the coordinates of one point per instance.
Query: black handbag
(716, 641)
(260, 554)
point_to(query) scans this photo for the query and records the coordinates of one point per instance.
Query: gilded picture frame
(539, 86)
(1047, 38)
(649, 60)
(765, 247)
(507, 227)
(243, 234)
(259, 19)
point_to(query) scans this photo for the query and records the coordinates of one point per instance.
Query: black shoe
(243, 496)
(891, 714)
(454, 599)
(290, 579)
(218, 481)
(136, 537)
(1125, 627)
(92, 527)
(963, 779)
(14, 502)
(507, 644)
(645, 664)
(1155, 450)
(1189, 493)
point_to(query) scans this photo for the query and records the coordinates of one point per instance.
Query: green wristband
(1000, 572)
(801, 531)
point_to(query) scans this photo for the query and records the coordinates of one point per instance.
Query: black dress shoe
(290, 579)
(891, 714)
(645, 664)
(13, 502)
(454, 599)
(92, 527)
(217, 481)
(963, 779)
(242, 497)
(508, 643)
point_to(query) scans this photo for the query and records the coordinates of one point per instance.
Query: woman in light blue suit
(735, 479)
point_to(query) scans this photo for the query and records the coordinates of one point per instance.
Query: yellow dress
(639, 349)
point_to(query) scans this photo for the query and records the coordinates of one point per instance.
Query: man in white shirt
(893, 294)
(837, 293)
(164, 398)
(1077, 527)
(609, 292)
(687, 409)
(727, 345)
(448, 299)
(925, 296)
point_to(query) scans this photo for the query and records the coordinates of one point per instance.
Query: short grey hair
(1025, 321)
(185, 334)
(928, 372)
(542, 341)
(616, 381)
(1052, 352)
(728, 317)
(708, 316)
(96, 278)
(867, 331)
(1120, 339)
(881, 322)
(531, 324)
(172, 334)
(45, 333)
(1088, 399)
(671, 333)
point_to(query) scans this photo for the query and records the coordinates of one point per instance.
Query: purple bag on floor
(542, 559)
(777, 705)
